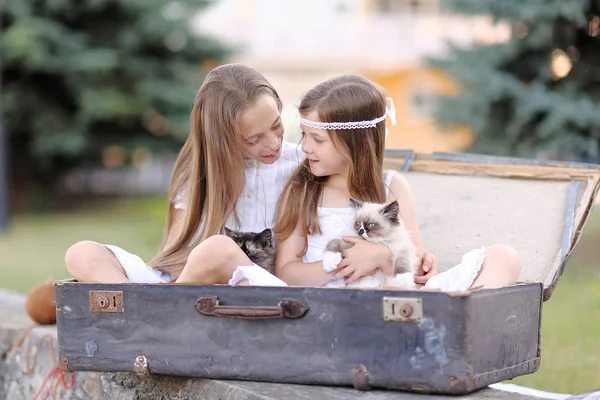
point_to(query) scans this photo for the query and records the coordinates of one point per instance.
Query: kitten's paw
(334, 246)
(375, 281)
(405, 280)
(331, 261)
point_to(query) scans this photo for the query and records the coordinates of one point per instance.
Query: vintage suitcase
(412, 340)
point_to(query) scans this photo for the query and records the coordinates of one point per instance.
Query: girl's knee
(218, 246)
(212, 261)
(78, 256)
(213, 252)
(505, 259)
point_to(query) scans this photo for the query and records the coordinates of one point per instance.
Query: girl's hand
(362, 259)
(427, 269)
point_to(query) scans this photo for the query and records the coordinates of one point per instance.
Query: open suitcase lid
(466, 201)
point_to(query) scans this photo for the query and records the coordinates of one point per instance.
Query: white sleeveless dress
(336, 222)
(256, 208)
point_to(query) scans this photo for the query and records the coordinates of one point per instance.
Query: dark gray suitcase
(422, 341)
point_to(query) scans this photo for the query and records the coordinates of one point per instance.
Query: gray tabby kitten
(257, 246)
(378, 223)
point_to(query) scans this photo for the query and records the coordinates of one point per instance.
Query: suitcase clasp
(106, 301)
(398, 309)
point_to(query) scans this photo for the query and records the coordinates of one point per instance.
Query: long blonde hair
(209, 171)
(341, 99)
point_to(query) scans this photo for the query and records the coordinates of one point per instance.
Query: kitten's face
(375, 221)
(251, 241)
(257, 246)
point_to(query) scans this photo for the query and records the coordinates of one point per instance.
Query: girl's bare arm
(289, 266)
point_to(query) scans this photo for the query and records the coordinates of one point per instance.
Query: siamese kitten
(378, 223)
(257, 246)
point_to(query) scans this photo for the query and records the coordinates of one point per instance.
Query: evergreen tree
(82, 78)
(536, 95)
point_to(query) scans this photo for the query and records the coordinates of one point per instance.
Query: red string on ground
(57, 375)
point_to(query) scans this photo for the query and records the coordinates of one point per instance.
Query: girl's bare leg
(501, 267)
(89, 261)
(213, 262)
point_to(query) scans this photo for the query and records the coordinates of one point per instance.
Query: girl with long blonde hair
(229, 173)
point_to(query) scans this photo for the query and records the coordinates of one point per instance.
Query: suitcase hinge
(141, 365)
(63, 363)
(360, 378)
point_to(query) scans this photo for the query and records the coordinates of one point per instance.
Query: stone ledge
(17, 384)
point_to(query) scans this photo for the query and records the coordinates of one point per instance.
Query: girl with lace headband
(229, 173)
(343, 124)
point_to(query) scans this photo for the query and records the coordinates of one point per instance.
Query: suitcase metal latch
(106, 301)
(398, 309)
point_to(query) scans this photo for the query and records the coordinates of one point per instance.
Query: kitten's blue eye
(371, 225)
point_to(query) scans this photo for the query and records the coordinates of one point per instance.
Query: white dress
(256, 208)
(335, 222)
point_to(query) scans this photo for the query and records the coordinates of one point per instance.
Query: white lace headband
(354, 124)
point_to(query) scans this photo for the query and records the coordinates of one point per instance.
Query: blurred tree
(94, 80)
(536, 95)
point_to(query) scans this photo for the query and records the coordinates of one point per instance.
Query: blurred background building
(297, 44)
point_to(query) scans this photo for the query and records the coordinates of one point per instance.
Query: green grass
(34, 249)
(570, 334)
(571, 323)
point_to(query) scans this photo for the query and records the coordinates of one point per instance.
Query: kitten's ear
(265, 237)
(356, 204)
(229, 232)
(390, 212)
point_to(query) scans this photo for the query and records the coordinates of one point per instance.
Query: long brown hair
(347, 98)
(209, 171)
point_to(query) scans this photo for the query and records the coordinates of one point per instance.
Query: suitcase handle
(287, 308)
